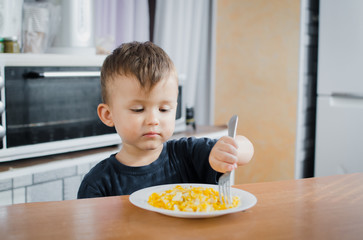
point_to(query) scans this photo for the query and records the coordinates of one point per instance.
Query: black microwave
(48, 105)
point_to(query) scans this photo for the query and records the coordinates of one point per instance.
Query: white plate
(140, 198)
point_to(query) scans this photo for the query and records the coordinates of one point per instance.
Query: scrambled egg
(190, 199)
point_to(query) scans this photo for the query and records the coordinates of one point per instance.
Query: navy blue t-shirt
(181, 161)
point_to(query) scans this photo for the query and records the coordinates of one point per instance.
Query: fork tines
(224, 188)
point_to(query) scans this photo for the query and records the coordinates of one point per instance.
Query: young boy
(140, 89)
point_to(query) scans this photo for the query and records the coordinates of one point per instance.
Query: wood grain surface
(315, 208)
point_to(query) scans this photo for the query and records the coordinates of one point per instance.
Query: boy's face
(143, 119)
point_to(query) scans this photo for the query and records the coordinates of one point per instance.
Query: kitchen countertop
(209, 131)
(28, 59)
(313, 208)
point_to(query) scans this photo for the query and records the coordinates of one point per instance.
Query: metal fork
(224, 182)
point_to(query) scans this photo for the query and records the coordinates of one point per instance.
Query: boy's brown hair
(147, 62)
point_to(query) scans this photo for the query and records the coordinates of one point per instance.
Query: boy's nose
(152, 118)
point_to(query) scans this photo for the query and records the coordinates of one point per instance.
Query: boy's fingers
(225, 167)
(229, 140)
(226, 153)
(223, 161)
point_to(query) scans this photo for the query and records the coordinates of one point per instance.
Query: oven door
(48, 107)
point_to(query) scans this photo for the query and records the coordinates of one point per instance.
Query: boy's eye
(137, 109)
(164, 109)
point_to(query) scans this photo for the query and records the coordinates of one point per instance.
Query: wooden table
(315, 208)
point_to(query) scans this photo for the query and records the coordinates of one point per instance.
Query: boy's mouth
(151, 134)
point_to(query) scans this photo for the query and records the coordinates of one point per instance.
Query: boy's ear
(105, 115)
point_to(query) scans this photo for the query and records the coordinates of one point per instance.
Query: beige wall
(257, 78)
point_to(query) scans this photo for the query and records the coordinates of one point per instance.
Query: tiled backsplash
(59, 179)
(48, 182)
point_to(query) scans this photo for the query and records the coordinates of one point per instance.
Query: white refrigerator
(339, 123)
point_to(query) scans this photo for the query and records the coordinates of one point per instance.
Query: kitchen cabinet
(257, 61)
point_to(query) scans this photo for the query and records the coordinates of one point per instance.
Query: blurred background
(266, 61)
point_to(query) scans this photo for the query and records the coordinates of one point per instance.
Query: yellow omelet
(190, 199)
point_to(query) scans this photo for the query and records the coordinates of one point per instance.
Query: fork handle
(232, 126)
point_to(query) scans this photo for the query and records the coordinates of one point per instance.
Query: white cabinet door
(339, 136)
(340, 54)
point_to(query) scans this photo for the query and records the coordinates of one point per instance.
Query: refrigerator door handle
(346, 100)
(348, 95)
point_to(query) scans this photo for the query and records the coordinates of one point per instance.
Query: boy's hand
(228, 153)
(223, 156)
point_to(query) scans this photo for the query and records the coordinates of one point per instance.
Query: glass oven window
(43, 109)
